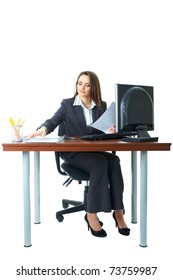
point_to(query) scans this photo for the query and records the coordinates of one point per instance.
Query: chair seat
(75, 173)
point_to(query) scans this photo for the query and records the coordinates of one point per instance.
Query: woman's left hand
(112, 129)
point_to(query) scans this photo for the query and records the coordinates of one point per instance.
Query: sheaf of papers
(46, 139)
(107, 120)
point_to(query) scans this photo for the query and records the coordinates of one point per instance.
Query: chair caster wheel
(65, 205)
(60, 218)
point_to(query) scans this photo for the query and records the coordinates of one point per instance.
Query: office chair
(73, 173)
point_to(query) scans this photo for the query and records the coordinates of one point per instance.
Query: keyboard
(104, 136)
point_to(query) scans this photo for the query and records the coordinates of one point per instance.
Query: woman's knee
(100, 160)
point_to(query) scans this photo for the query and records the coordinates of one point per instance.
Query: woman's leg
(116, 188)
(115, 179)
(106, 181)
(96, 165)
(106, 184)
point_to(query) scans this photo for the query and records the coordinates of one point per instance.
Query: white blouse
(87, 111)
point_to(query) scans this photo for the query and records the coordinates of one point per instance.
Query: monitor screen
(135, 110)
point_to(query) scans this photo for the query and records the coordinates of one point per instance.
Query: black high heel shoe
(100, 222)
(99, 233)
(123, 231)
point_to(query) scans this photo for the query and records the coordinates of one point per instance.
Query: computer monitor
(135, 111)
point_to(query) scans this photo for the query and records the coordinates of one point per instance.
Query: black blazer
(73, 118)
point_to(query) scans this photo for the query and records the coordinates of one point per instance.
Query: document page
(46, 139)
(107, 120)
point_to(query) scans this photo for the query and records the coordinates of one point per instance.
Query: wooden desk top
(79, 145)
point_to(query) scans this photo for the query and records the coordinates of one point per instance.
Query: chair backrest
(61, 132)
(62, 129)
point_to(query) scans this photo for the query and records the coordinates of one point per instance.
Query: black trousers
(106, 184)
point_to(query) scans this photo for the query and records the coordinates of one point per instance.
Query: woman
(106, 182)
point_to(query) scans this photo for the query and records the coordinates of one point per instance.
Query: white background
(44, 45)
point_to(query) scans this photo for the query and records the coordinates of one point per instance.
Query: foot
(120, 223)
(94, 221)
(120, 219)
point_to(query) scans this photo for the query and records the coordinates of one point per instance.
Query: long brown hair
(95, 86)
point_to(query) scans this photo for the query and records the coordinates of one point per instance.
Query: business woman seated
(106, 182)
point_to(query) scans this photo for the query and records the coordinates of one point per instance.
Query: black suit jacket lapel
(95, 113)
(80, 116)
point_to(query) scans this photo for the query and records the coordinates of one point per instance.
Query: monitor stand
(142, 136)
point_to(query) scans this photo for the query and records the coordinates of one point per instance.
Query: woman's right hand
(40, 132)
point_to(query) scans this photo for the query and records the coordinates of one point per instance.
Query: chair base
(77, 206)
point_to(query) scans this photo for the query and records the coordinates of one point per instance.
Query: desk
(81, 145)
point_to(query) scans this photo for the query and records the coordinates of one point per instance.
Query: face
(83, 86)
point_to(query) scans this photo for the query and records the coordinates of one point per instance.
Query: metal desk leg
(143, 200)
(37, 186)
(26, 199)
(134, 187)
